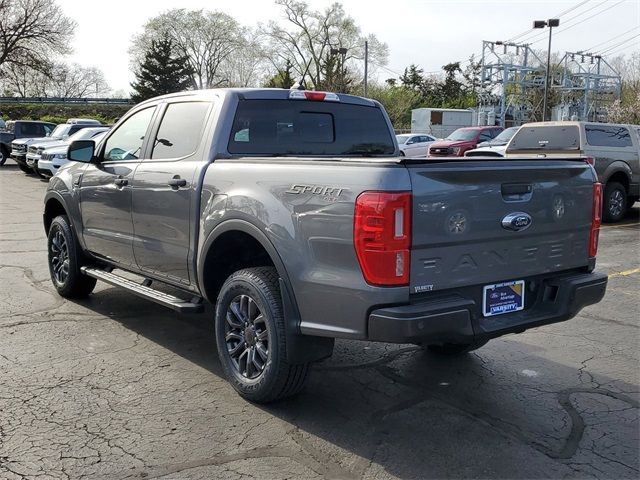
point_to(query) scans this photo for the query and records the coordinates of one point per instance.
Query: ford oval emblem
(517, 221)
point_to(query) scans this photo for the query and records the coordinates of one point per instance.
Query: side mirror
(81, 151)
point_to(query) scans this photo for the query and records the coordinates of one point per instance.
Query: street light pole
(552, 22)
(366, 67)
(343, 53)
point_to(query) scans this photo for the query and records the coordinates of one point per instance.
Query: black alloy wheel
(247, 337)
(615, 202)
(59, 257)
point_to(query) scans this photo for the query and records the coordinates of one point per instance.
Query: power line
(569, 27)
(613, 47)
(611, 39)
(557, 15)
(536, 37)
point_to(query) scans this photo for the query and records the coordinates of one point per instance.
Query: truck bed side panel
(305, 207)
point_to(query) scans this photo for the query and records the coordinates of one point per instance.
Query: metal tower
(588, 84)
(511, 75)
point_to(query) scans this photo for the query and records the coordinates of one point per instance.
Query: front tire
(250, 336)
(65, 260)
(3, 155)
(25, 169)
(615, 202)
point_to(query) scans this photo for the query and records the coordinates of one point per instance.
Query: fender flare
(300, 348)
(613, 168)
(53, 195)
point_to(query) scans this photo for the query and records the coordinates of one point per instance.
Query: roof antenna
(300, 84)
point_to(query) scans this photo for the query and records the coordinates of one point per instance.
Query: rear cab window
(300, 127)
(548, 137)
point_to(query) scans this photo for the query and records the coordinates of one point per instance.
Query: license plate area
(500, 298)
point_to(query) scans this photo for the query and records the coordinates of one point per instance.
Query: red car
(462, 140)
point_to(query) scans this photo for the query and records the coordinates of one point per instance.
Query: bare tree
(76, 81)
(248, 66)
(56, 80)
(21, 80)
(309, 36)
(207, 39)
(33, 31)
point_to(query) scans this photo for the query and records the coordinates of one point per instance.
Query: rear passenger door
(164, 191)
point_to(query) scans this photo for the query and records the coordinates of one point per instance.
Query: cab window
(126, 142)
(607, 136)
(180, 130)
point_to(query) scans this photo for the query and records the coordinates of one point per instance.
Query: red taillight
(596, 219)
(382, 237)
(315, 96)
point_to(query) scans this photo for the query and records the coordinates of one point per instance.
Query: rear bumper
(456, 319)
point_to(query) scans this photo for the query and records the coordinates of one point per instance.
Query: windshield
(59, 131)
(505, 135)
(83, 134)
(552, 137)
(402, 139)
(300, 127)
(462, 134)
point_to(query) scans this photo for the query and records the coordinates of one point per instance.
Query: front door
(164, 191)
(105, 190)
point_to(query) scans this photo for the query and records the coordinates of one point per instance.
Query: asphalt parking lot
(117, 387)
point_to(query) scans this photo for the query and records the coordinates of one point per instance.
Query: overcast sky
(429, 33)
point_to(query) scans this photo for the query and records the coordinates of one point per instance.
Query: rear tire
(65, 260)
(251, 340)
(454, 349)
(615, 202)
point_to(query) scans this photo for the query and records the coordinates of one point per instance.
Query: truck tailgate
(459, 208)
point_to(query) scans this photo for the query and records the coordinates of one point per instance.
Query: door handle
(121, 182)
(177, 182)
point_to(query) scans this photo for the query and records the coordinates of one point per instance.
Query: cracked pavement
(117, 387)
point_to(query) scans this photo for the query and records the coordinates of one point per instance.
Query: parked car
(15, 129)
(293, 213)
(24, 151)
(414, 145)
(52, 156)
(463, 139)
(613, 148)
(495, 147)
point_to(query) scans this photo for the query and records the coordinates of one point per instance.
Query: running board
(183, 306)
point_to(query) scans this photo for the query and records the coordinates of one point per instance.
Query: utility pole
(552, 22)
(366, 67)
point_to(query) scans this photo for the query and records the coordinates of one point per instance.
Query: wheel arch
(617, 172)
(216, 262)
(621, 177)
(53, 207)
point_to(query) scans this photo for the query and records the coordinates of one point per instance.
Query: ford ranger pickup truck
(294, 215)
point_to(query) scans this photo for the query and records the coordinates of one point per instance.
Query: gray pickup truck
(294, 215)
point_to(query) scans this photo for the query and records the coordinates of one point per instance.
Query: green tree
(398, 101)
(161, 72)
(336, 77)
(283, 78)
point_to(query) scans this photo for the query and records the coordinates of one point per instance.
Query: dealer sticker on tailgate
(503, 298)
